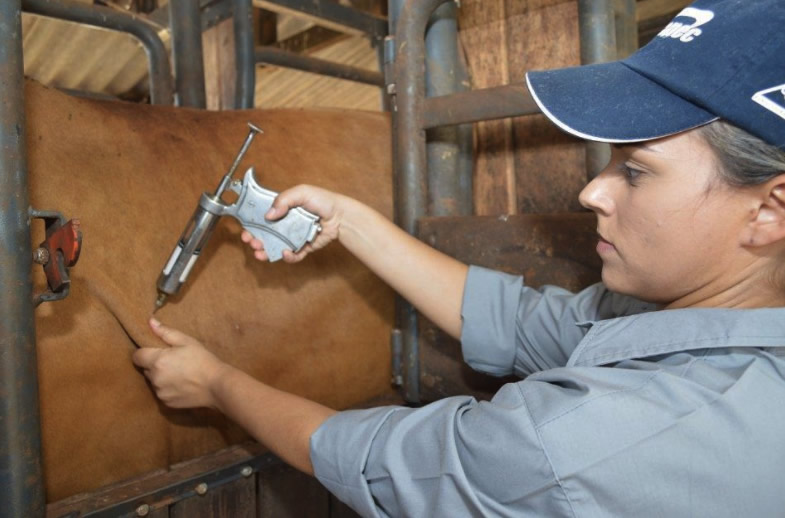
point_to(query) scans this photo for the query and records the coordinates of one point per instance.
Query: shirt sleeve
(454, 457)
(510, 328)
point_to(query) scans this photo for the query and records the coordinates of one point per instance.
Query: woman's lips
(604, 246)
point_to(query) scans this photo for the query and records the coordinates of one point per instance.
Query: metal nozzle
(160, 301)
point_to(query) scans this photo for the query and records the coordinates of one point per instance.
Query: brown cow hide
(133, 175)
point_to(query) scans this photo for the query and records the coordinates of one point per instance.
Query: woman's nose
(596, 196)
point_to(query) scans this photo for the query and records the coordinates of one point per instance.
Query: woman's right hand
(325, 204)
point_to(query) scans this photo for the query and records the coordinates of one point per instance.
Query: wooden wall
(522, 165)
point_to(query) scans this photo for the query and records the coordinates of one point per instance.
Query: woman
(660, 391)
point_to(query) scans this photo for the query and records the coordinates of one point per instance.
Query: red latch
(63, 242)
(59, 251)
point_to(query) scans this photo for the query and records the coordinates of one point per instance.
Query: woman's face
(668, 225)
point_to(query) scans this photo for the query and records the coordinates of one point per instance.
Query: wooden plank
(546, 249)
(549, 164)
(277, 8)
(310, 40)
(284, 492)
(158, 489)
(494, 175)
(219, 69)
(236, 499)
(524, 164)
(154, 513)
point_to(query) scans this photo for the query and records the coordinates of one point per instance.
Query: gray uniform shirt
(624, 411)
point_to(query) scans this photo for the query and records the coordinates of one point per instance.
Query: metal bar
(334, 14)
(161, 91)
(596, 21)
(499, 102)
(21, 481)
(284, 58)
(449, 182)
(412, 157)
(186, 25)
(245, 83)
(213, 13)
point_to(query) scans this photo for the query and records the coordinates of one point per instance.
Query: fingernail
(270, 213)
(155, 323)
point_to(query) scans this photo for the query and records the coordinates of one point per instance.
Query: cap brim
(610, 102)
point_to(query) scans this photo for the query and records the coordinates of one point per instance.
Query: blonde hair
(743, 158)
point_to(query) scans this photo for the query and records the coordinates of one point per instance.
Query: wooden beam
(330, 15)
(648, 9)
(265, 25)
(310, 40)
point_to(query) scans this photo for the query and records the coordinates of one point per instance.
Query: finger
(145, 357)
(285, 200)
(291, 257)
(260, 255)
(169, 335)
(246, 236)
(257, 244)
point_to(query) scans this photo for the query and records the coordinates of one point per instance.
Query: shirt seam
(693, 362)
(619, 391)
(662, 347)
(588, 338)
(545, 451)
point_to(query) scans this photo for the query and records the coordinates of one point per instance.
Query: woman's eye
(630, 174)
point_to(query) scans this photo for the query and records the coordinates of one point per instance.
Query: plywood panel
(494, 171)
(549, 164)
(525, 164)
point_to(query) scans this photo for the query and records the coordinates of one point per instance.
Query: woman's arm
(187, 375)
(432, 281)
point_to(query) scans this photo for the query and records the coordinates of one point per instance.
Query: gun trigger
(236, 186)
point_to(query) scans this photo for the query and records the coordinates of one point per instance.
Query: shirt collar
(674, 330)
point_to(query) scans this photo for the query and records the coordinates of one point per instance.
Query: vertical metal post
(21, 483)
(245, 62)
(412, 185)
(449, 180)
(626, 28)
(186, 24)
(596, 20)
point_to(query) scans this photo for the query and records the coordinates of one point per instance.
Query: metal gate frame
(21, 483)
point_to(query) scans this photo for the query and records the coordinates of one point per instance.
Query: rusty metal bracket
(58, 252)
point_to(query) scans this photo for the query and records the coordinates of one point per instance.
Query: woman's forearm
(281, 421)
(432, 281)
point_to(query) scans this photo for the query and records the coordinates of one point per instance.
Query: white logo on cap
(773, 99)
(687, 32)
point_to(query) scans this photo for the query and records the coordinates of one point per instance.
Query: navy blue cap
(718, 59)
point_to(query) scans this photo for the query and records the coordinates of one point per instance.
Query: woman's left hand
(183, 375)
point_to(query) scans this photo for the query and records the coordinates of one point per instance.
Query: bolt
(143, 510)
(41, 256)
(201, 489)
(247, 471)
(391, 89)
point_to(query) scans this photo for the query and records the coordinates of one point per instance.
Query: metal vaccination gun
(291, 232)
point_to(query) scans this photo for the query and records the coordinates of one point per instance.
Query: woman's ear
(767, 222)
